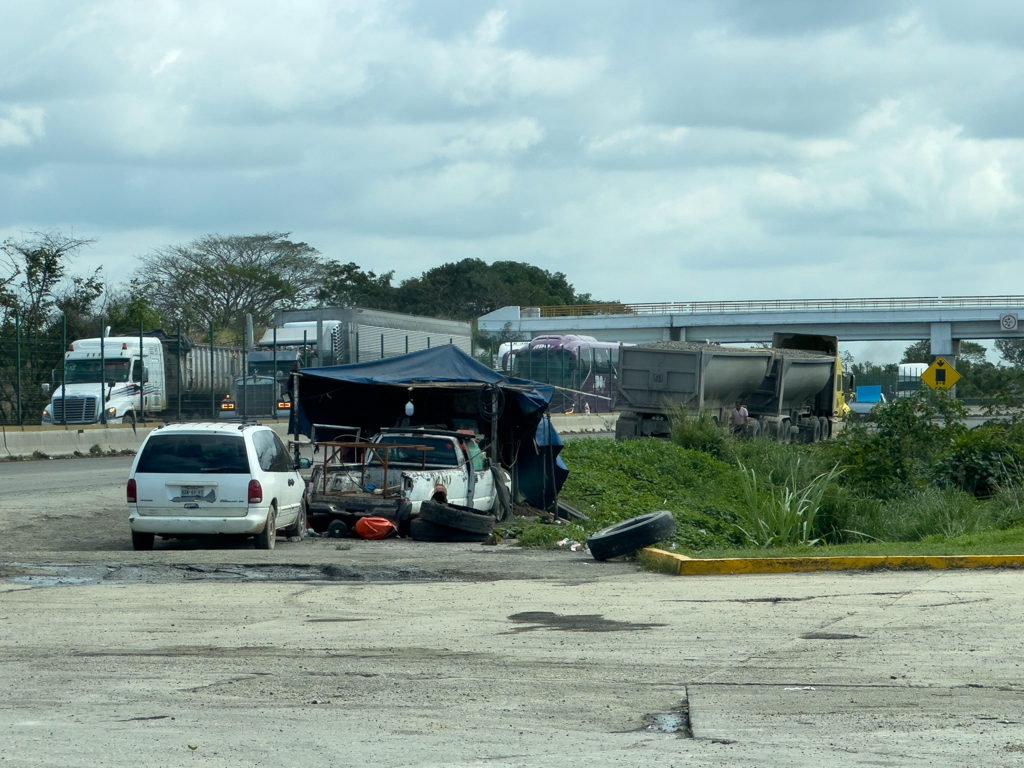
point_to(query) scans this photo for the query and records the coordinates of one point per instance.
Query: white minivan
(214, 478)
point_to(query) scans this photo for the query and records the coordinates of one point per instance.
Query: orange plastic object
(374, 528)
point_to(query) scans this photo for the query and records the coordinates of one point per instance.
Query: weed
(782, 510)
(40, 455)
(95, 451)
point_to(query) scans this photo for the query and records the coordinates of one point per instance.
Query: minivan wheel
(142, 541)
(267, 538)
(298, 528)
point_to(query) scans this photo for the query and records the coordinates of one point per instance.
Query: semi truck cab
(111, 383)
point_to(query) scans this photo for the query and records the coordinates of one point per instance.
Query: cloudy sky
(652, 151)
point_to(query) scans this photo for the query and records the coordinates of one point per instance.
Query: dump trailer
(793, 391)
(115, 379)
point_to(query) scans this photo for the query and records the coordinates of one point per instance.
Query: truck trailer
(793, 391)
(118, 379)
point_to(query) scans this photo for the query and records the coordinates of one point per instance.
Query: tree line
(217, 280)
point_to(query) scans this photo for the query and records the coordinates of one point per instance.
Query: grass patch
(613, 481)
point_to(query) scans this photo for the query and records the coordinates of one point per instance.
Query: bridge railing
(776, 305)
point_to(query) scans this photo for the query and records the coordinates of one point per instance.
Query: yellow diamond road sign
(940, 375)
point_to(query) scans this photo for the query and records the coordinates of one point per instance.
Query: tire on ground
(453, 516)
(142, 541)
(632, 535)
(424, 530)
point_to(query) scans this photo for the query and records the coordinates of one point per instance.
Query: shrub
(979, 462)
(700, 432)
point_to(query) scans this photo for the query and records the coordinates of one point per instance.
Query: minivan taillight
(133, 494)
(255, 492)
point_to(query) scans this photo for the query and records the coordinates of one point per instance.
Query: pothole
(677, 722)
(830, 636)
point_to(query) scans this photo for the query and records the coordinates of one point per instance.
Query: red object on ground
(374, 528)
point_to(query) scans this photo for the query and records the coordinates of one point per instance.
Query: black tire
(337, 529)
(815, 430)
(826, 427)
(142, 542)
(632, 535)
(129, 418)
(424, 530)
(298, 528)
(783, 432)
(453, 516)
(267, 538)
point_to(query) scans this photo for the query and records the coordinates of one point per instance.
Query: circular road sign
(1008, 322)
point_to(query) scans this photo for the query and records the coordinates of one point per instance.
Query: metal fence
(198, 379)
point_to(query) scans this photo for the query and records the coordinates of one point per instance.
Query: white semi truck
(116, 379)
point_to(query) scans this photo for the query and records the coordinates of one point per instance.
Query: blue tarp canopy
(448, 390)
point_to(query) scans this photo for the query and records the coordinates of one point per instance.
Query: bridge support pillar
(943, 343)
(677, 334)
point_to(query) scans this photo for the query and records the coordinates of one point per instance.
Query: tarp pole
(64, 376)
(103, 376)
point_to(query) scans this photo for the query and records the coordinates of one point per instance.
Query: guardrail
(776, 305)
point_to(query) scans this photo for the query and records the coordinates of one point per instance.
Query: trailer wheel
(631, 535)
(826, 427)
(753, 429)
(815, 430)
(782, 431)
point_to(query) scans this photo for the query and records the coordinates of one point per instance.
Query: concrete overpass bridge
(945, 320)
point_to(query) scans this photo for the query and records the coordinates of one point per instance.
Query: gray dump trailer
(793, 391)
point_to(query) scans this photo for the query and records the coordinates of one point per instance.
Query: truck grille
(80, 410)
(260, 400)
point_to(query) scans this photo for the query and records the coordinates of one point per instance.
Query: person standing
(739, 418)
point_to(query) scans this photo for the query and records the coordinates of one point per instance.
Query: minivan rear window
(194, 454)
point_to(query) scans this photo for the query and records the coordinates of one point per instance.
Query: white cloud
(22, 126)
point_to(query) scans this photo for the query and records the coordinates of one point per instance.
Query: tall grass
(782, 511)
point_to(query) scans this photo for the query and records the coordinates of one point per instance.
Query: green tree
(219, 280)
(41, 261)
(35, 288)
(347, 285)
(918, 352)
(1012, 351)
(470, 288)
(127, 307)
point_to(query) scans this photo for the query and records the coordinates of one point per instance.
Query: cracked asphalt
(397, 653)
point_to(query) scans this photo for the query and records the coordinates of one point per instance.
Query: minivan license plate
(192, 491)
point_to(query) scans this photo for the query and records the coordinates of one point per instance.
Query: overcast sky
(652, 151)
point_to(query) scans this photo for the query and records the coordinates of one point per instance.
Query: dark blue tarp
(542, 473)
(448, 389)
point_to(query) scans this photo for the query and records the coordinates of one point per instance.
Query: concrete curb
(57, 441)
(685, 566)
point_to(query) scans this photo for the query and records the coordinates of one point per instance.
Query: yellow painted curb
(686, 566)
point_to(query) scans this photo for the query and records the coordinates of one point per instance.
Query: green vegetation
(914, 481)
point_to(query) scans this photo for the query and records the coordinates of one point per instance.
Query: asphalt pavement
(330, 652)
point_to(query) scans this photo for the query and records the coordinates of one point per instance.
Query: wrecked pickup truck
(399, 469)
